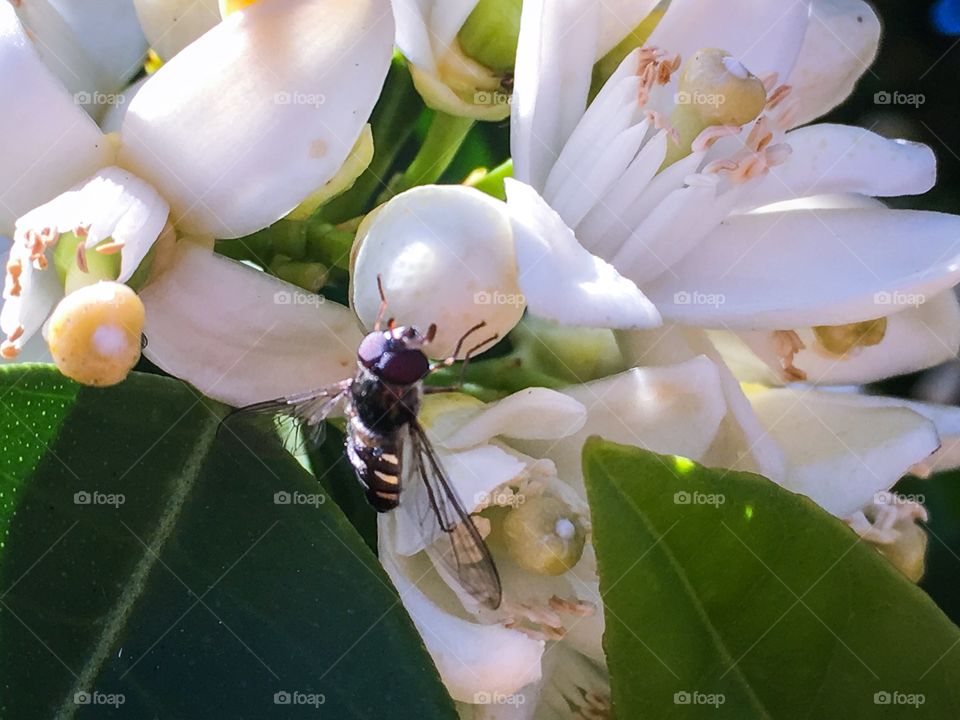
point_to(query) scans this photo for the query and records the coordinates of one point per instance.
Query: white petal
(241, 336)
(560, 279)
(829, 159)
(444, 255)
(236, 129)
(112, 119)
(110, 33)
(472, 659)
(741, 442)
(40, 291)
(672, 230)
(946, 418)
(530, 414)
(840, 44)
(618, 18)
(804, 268)
(555, 55)
(765, 35)
(171, 25)
(672, 410)
(62, 52)
(413, 32)
(915, 339)
(839, 452)
(50, 143)
(630, 207)
(474, 474)
(609, 214)
(112, 204)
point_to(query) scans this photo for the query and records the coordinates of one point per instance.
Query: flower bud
(490, 34)
(544, 536)
(841, 340)
(444, 255)
(94, 333)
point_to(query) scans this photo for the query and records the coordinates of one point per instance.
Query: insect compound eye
(372, 348)
(404, 368)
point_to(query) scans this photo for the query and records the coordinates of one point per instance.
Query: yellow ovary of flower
(94, 333)
(544, 536)
(714, 90)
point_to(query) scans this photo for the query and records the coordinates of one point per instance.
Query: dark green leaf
(180, 580)
(723, 586)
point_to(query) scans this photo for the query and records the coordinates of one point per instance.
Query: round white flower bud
(445, 255)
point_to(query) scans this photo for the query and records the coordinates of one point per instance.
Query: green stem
(440, 146)
(491, 182)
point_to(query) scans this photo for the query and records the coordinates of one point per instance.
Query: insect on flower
(389, 449)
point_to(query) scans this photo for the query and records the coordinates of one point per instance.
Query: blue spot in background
(946, 16)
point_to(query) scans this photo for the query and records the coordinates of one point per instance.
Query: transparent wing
(465, 555)
(299, 419)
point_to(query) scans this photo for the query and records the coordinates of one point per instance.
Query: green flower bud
(489, 36)
(310, 276)
(840, 340)
(544, 536)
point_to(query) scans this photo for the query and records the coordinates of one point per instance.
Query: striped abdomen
(376, 461)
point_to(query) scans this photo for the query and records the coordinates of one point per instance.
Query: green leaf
(729, 597)
(180, 580)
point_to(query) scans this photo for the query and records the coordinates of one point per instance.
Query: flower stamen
(786, 344)
(82, 258)
(13, 288)
(654, 68)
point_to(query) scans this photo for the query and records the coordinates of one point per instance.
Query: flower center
(544, 536)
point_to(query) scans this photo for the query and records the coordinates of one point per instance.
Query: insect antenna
(383, 305)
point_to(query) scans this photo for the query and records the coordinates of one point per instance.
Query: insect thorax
(383, 409)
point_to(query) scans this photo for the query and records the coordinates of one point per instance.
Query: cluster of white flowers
(676, 207)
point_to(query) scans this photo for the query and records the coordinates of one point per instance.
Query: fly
(388, 448)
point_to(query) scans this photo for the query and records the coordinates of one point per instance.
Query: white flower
(517, 461)
(702, 228)
(214, 136)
